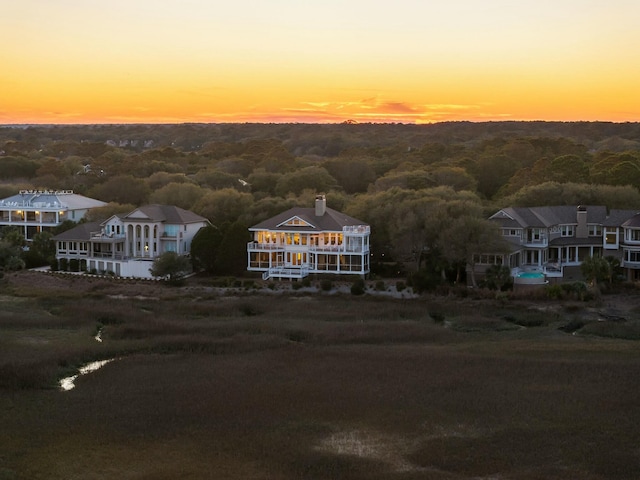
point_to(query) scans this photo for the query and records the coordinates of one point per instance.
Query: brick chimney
(582, 231)
(321, 205)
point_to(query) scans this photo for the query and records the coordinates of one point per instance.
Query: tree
(225, 205)
(232, 254)
(204, 248)
(14, 237)
(122, 189)
(353, 174)
(312, 178)
(42, 250)
(497, 277)
(596, 269)
(467, 236)
(171, 266)
(183, 195)
(455, 177)
(10, 256)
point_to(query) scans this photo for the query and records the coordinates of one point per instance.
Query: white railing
(309, 248)
(357, 229)
(264, 246)
(286, 272)
(106, 236)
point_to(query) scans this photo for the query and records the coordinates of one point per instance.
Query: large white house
(553, 241)
(35, 211)
(302, 241)
(126, 245)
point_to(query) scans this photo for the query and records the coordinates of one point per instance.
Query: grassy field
(207, 385)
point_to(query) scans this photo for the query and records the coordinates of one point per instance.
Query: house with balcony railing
(35, 211)
(126, 245)
(631, 247)
(555, 240)
(302, 241)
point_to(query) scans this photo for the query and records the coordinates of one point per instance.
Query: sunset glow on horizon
(409, 61)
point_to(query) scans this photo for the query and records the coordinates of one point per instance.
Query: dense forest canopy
(407, 181)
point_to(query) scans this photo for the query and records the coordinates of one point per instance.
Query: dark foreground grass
(311, 388)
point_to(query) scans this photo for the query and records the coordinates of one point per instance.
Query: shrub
(326, 285)
(357, 288)
(400, 286)
(306, 282)
(380, 286)
(554, 291)
(249, 310)
(573, 326)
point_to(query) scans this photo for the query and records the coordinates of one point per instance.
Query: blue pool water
(531, 275)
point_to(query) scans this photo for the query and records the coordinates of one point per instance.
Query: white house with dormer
(302, 241)
(126, 245)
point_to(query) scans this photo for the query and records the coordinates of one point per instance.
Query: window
(566, 230)
(633, 235)
(487, 259)
(633, 256)
(595, 230)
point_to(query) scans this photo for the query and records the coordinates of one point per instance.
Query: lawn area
(309, 386)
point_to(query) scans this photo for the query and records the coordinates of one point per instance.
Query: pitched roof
(331, 221)
(633, 222)
(164, 213)
(80, 232)
(544, 217)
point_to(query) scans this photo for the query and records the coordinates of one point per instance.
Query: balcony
(535, 242)
(106, 237)
(356, 230)
(251, 246)
(272, 247)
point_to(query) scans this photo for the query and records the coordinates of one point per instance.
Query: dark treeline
(418, 186)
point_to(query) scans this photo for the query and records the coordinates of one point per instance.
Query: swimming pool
(530, 278)
(530, 275)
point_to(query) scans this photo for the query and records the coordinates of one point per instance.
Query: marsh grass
(312, 387)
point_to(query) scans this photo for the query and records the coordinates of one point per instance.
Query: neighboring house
(126, 245)
(302, 241)
(34, 211)
(554, 241)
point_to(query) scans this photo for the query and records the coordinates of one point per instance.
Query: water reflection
(67, 383)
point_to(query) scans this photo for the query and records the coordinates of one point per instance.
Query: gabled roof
(545, 217)
(331, 221)
(81, 232)
(164, 213)
(619, 218)
(633, 222)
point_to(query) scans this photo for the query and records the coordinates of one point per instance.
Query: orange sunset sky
(410, 61)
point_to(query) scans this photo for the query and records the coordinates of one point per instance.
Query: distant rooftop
(65, 199)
